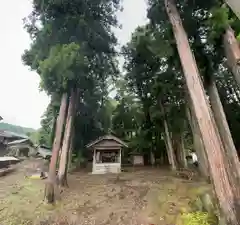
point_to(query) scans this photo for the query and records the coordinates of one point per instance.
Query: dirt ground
(146, 196)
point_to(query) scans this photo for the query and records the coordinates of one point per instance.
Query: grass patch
(173, 202)
(23, 203)
(196, 218)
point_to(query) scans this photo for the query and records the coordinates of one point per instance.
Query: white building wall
(138, 160)
(102, 168)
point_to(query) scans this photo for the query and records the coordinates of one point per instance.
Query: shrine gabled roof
(107, 137)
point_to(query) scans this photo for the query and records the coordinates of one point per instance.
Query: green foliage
(78, 159)
(105, 114)
(58, 70)
(73, 46)
(196, 218)
(34, 137)
(238, 37)
(47, 131)
(218, 21)
(154, 76)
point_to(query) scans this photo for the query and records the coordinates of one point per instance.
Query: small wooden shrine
(106, 154)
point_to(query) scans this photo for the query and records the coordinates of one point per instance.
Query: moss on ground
(174, 202)
(196, 218)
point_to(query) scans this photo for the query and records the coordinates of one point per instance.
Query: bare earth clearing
(149, 196)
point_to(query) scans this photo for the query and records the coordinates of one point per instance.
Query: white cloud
(20, 100)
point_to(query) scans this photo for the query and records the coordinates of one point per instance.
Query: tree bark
(176, 140)
(72, 141)
(152, 158)
(62, 172)
(232, 51)
(170, 151)
(198, 144)
(183, 152)
(197, 138)
(211, 140)
(224, 130)
(168, 140)
(53, 131)
(71, 147)
(49, 188)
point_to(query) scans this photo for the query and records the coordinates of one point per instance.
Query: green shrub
(238, 37)
(196, 218)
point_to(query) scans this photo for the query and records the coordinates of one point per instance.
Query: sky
(21, 102)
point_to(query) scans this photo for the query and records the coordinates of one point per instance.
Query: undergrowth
(196, 218)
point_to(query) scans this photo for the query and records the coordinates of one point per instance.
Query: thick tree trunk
(176, 140)
(168, 140)
(49, 189)
(232, 51)
(53, 131)
(170, 151)
(62, 172)
(71, 147)
(211, 140)
(72, 141)
(183, 152)
(197, 138)
(152, 158)
(198, 144)
(224, 130)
